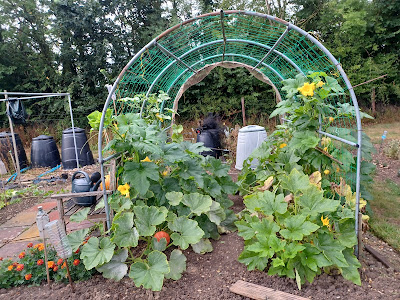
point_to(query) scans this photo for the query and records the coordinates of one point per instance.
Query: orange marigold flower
(77, 250)
(20, 267)
(60, 261)
(40, 262)
(76, 262)
(28, 276)
(50, 264)
(55, 269)
(10, 267)
(15, 264)
(30, 245)
(64, 265)
(40, 246)
(1, 258)
(21, 255)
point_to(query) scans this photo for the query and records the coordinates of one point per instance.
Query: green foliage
(306, 223)
(165, 185)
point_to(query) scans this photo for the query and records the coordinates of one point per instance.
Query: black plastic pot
(85, 156)
(211, 139)
(44, 152)
(6, 145)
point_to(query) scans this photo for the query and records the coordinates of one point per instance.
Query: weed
(392, 149)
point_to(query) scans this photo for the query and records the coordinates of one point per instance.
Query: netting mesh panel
(201, 42)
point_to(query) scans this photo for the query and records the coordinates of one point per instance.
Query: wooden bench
(67, 207)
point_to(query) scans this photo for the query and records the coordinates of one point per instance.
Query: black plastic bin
(85, 156)
(211, 139)
(44, 152)
(6, 145)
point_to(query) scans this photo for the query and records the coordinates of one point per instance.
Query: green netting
(203, 41)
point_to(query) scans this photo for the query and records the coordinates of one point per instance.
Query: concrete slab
(47, 206)
(25, 218)
(12, 250)
(8, 234)
(31, 234)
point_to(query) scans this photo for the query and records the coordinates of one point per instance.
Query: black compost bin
(211, 139)
(6, 145)
(44, 152)
(85, 156)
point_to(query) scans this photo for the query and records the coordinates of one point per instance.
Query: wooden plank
(259, 292)
(378, 256)
(70, 195)
(73, 210)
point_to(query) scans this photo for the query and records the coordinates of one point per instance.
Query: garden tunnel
(270, 48)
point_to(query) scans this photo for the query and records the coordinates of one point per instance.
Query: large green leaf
(331, 248)
(253, 260)
(297, 227)
(97, 252)
(75, 238)
(186, 232)
(295, 181)
(197, 203)
(351, 272)
(216, 214)
(80, 215)
(116, 268)
(227, 185)
(147, 217)
(266, 202)
(313, 202)
(191, 170)
(245, 228)
(124, 234)
(174, 198)
(304, 140)
(177, 265)
(150, 274)
(266, 246)
(216, 167)
(138, 175)
(212, 187)
(203, 246)
(346, 233)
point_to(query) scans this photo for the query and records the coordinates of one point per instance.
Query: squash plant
(300, 200)
(164, 186)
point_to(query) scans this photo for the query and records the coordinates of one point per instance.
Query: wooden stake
(13, 140)
(69, 277)
(373, 102)
(243, 112)
(359, 237)
(45, 259)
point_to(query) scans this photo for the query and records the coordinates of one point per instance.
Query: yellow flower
(331, 119)
(326, 149)
(165, 173)
(124, 189)
(325, 222)
(147, 159)
(325, 141)
(320, 84)
(282, 145)
(326, 172)
(337, 169)
(159, 117)
(116, 126)
(307, 89)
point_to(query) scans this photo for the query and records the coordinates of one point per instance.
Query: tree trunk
(373, 102)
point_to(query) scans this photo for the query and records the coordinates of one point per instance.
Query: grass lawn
(375, 131)
(385, 222)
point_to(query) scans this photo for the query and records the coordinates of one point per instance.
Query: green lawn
(375, 131)
(385, 221)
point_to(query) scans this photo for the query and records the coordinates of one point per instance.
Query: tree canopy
(79, 46)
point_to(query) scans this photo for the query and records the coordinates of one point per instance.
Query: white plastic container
(249, 138)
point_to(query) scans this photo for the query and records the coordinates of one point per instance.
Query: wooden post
(373, 102)
(45, 258)
(69, 276)
(243, 112)
(13, 141)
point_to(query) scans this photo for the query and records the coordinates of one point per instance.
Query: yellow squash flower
(165, 173)
(124, 189)
(159, 117)
(283, 145)
(331, 119)
(116, 126)
(147, 159)
(326, 172)
(320, 84)
(326, 149)
(325, 222)
(307, 89)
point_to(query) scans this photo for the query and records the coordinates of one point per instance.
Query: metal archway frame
(289, 27)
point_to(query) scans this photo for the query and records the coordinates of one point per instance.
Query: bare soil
(386, 168)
